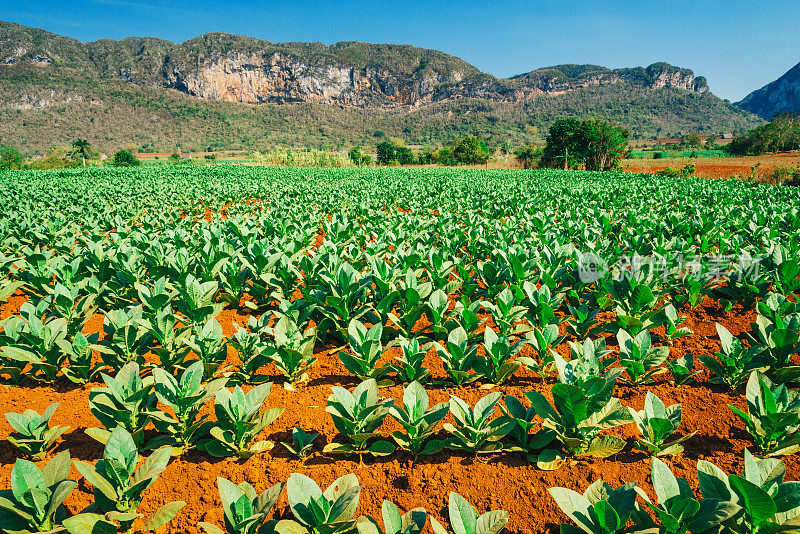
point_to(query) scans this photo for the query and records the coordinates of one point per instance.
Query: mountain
(780, 96)
(230, 91)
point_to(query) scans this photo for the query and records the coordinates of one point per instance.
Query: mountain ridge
(779, 96)
(436, 94)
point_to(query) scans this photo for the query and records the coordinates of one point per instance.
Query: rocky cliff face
(780, 96)
(240, 69)
(257, 78)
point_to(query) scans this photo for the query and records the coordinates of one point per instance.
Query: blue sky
(738, 45)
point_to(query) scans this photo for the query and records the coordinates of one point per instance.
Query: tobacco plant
(119, 485)
(656, 424)
(418, 421)
(357, 416)
(33, 435)
(239, 422)
(773, 416)
(475, 429)
(35, 500)
(320, 512)
(464, 519)
(126, 401)
(245, 511)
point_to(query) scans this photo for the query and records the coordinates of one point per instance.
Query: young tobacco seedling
(682, 369)
(464, 519)
(475, 430)
(35, 501)
(125, 340)
(498, 365)
(239, 422)
(777, 340)
(734, 364)
(356, 416)
(79, 355)
(118, 487)
(583, 323)
(640, 359)
(418, 421)
(524, 419)
(458, 357)
(678, 511)
(126, 401)
(320, 512)
(292, 350)
(505, 313)
(211, 347)
(172, 350)
(768, 504)
(773, 416)
(33, 434)
(252, 354)
(37, 344)
(656, 423)
(196, 301)
(542, 341)
(672, 324)
(367, 351)
(412, 522)
(600, 510)
(185, 398)
(577, 417)
(410, 366)
(302, 442)
(245, 511)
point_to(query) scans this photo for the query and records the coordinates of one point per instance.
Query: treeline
(77, 155)
(780, 135)
(468, 151)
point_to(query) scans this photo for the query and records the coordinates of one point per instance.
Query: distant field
(709, 167)
(650, 154)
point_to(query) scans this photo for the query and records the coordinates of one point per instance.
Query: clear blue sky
(738, 45)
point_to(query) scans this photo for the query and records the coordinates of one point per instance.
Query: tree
(782, 134)
(603, 145)
(693, 139)
(562, 147)
(81, 147)
(470, 151)
(356, 155)
(404, 155)
(123, 158)
(10, 158)
(386, 153)
(595, 144)
(527, 156)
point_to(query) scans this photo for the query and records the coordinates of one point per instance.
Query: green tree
(356, 155)
(386, 153)
(602, 144)
(404, 155)
(10, 158)
(563, 148)
(595, 144)
(470, 151)
(81, 148)
(528, 156)
(123, 158)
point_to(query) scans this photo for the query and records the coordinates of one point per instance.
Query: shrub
(10, 158)
(123, 158)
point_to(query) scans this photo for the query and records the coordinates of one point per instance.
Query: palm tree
(81, 147)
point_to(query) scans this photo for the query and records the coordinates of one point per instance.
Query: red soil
(504, 481)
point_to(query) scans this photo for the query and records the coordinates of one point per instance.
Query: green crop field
(539, 311)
